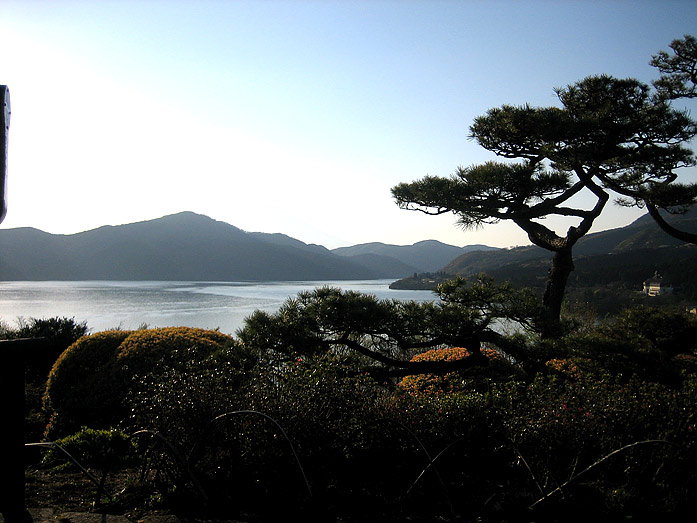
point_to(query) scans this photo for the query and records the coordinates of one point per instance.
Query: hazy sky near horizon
(289, 116)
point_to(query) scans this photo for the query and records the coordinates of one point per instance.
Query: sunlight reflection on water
(126, 304)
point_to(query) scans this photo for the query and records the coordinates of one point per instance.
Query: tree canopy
(678, 81)
(609, 136)
(679, 70)
(385, 334)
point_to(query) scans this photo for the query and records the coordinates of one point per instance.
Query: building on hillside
(655, 286)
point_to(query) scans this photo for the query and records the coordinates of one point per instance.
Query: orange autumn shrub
(498, 368)
(566, 366)
(576, 368)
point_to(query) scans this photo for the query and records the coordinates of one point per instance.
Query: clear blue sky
(294, 117)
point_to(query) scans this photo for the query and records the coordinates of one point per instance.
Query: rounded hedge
(90, 380)
(146, 351)
(84, 384)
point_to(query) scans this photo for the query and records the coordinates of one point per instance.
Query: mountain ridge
(425, 255)
(185, 246)
(643, 233)
(192, 247)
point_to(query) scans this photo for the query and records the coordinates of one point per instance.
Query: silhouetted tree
(384, 334)
(678, 80)
(679, 70)
(608, 135)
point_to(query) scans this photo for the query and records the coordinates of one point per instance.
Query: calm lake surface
(129, 304)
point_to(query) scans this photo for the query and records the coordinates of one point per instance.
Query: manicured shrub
(90, 381)
(687, 363)
(179, 403)
(577, 368)
(463, 432)
(243, 459)
(85, 386)
(322, 403)
(668, 331)
(510, 444)
(144, 351)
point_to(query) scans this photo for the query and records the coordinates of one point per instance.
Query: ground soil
(70, 497)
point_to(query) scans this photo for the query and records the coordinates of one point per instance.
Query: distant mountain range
(424, 256)
(630, 253)
(192, 247)
(189, 246)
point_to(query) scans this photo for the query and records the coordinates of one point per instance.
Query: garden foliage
(102, 449)
(607, 428)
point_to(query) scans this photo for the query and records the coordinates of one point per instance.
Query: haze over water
(129, 304)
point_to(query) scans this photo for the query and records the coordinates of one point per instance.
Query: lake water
(128, 304)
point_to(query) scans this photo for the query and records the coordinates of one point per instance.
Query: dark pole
(4, 129)
(12, 354)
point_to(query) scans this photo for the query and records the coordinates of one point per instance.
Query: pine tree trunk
(562, 265)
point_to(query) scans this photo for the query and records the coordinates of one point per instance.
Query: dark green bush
(557, 428)
(181, 401)
(668, 331)
(101, 449)
(505, 448)
(323, 408)
(499, 448)
(652, 344)
(243, 459)
(462, 431)
(57, 334)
